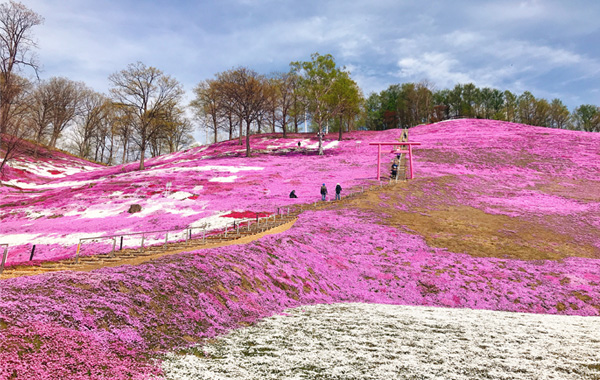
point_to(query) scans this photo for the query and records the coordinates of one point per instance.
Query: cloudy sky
(548, 47)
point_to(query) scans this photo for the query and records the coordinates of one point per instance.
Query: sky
(548, 47)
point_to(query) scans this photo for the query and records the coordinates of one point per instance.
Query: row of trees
(409, 104)
(143, 112)
(279, 102)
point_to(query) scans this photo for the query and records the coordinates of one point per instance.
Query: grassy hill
(500, 217)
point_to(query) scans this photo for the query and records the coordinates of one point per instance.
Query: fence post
(4, 256)
(32, 252)
(77, 253)
(226, 230)
(112, 253)
(142, 247)
(166, 240)
(121, 246)
(204, 235)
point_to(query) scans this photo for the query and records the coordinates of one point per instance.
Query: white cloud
(504, 44)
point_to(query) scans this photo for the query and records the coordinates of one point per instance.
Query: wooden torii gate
(397, 151)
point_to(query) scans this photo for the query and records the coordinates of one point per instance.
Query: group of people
(338, 193)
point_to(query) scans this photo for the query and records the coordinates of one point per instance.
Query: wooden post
(166, 240)
(112, 253)
(142, 247)
(121, 246)
(4, 256)
(410, 162)
(77, 253)
(378, 161)
(32, 252)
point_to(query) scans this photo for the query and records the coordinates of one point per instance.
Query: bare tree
(40, 111)
(208, 106)
(11, 144)
(16, 22)
(286, 83)
(245, 94)
(94, 109)
(144, 92)
(65, 95)
(174, 131)
(123, 123)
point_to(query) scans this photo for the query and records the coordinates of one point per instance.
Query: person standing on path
(338, 190)
(323, 192)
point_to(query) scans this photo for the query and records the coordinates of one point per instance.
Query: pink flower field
(207, 183)
(500, 216)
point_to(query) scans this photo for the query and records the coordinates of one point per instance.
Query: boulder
(134, 208)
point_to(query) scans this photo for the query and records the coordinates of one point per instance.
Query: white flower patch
(53, 185)
(180, 195)
(166, 205)
(214, 221)
(67, 239)
(331, 145)
(33, 213)
(369, 341)
(45, 169)
(231, 178)
(17, 239)
(101, 210)
(156, 171)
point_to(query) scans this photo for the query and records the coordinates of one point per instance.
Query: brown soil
(463, 229)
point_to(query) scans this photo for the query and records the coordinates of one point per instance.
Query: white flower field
(374, 341)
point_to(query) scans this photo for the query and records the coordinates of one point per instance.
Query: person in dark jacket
(293, 194)
(323, 192)
(338, 190)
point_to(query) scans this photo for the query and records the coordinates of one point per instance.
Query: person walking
(323, 192)
(338, 190)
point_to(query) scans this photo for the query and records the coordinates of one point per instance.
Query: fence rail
(188, 232)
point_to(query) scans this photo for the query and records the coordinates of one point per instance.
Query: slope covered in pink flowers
(501, 217)
(207, 183)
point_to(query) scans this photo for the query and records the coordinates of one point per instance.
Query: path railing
(187, 233)
(4, 248)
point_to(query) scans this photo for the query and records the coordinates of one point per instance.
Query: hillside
(500, 217)
(207, 184)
